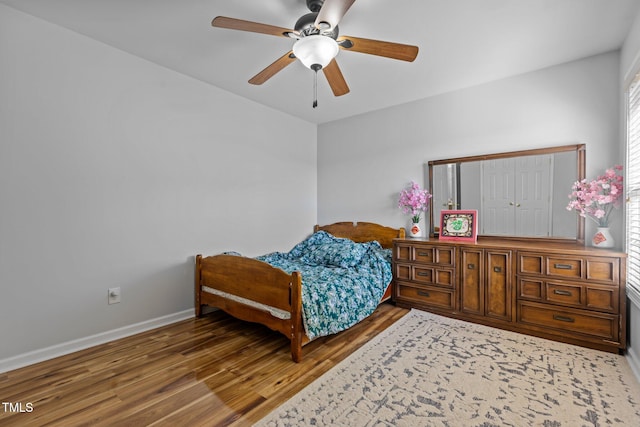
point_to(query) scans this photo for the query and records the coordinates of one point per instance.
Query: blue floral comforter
(342, 281)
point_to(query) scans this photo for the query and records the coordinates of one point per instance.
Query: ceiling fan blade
(271, 70)
(253, 27)
(403, 52)
(331, 13)
(336, 79)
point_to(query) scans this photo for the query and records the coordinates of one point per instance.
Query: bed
(254, 290)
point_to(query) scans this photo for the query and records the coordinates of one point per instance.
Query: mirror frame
(580, 150)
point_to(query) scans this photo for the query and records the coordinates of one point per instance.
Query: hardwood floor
(213, 371)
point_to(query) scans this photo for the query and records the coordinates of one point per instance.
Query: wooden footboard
(233, 283)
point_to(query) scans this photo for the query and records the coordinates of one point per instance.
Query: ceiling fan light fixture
(315, 50)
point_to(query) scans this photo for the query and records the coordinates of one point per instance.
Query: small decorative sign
(459, 225)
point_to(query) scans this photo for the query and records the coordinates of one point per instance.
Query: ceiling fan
(317, 43)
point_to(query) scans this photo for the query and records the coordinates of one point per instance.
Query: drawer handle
(497, 269)
(423, 274)
(424, 294)
(424, 253)
(471, 266)
(563, 266)
(561, 292)
(563, 318)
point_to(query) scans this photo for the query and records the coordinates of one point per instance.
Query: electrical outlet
(114, 295)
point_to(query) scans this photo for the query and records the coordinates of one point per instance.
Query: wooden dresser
(560, 291)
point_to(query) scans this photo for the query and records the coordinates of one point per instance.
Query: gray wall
(364, 161)
(116, 172)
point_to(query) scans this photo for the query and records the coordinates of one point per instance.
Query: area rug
(429, 370)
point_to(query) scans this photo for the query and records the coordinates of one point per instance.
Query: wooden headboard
(363, 232)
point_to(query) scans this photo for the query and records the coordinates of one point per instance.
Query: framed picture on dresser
(459, 225)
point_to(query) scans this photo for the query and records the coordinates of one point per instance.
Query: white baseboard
(68, 347)
(634, 362)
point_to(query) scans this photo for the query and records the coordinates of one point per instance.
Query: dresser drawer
(402, 252)
(604, 269)
(424, 254)
(571, 294)
(531, 288)
(531, 263)
(443, 256)
(441, 298)
(425, 274)
(565, 267)
(569, 320)
(599, 269)
(604, 298)
(565, 294)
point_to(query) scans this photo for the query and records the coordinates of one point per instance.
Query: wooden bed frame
(237, 279)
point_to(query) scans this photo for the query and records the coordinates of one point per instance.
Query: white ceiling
(462, 43)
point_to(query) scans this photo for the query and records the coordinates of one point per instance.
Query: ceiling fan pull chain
(315, 68)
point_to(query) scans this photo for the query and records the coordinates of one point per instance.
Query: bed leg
(296, 350)
(296, 317)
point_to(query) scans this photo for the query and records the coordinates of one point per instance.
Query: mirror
(518, 194)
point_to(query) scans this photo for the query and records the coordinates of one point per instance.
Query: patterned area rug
(428, 370)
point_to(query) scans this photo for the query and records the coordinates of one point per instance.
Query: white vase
(415, 230)
(603, 238)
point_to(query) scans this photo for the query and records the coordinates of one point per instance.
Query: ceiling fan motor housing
(306, 27)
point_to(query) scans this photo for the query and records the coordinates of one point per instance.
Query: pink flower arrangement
(414, 201)
(596, 199)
